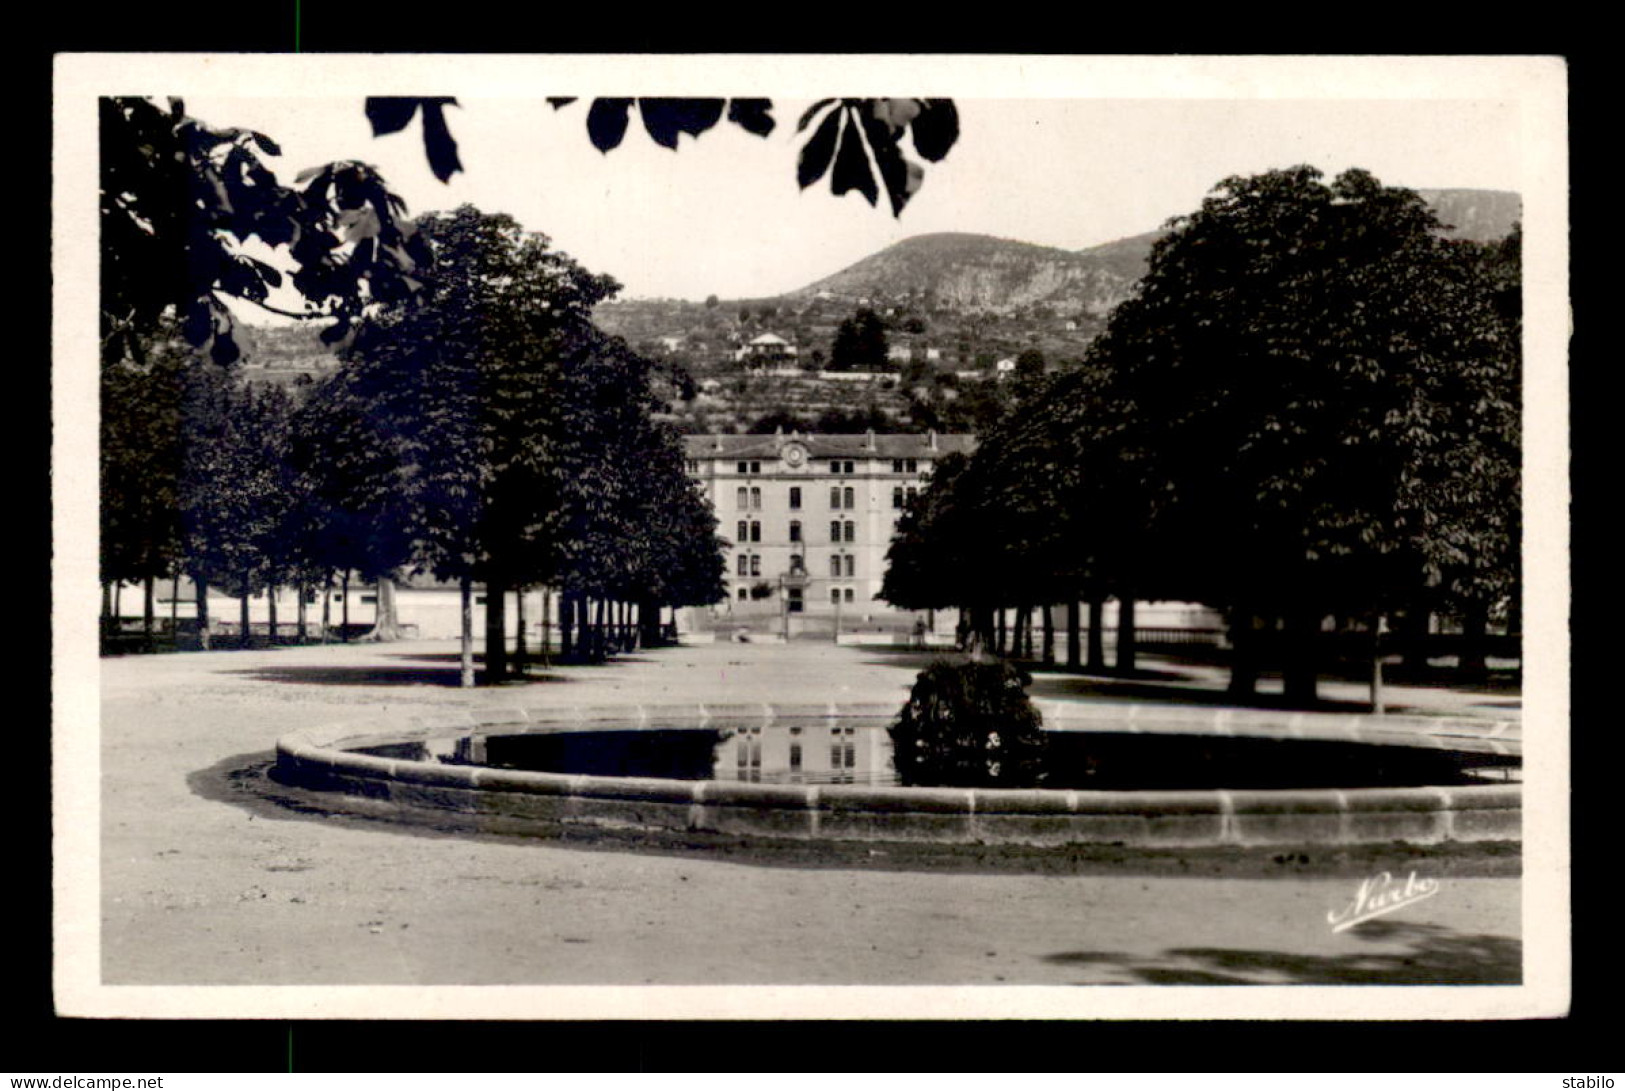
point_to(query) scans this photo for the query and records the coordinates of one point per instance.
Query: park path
(196, 890)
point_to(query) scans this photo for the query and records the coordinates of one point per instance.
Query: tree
(1323, 400)
(463, 382)
(860, 342)
(183, 206)
(141, 450)
(232, 488)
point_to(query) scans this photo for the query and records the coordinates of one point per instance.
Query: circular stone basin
(1119, 774)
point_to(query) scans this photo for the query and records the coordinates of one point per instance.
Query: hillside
(963, 272)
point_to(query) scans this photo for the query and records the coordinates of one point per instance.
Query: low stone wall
(509, 800)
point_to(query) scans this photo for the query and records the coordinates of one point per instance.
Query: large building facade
(809, 517)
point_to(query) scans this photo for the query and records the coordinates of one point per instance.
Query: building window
(755, 467)
(795, 497)
(795, 564)
(743, 594)
(744, 531)
(848, 466)
(835, 596)
(835, 567)
(835, 530)
(793, 600)
(744, 498)
(913, 465)
(849, 594)
(756, 499)
(756, 532)
(896, 465)
(744, 565)
(897, 497)
(834, 467)
(835, 497)
(851, 566)
(851, 498)
(755, 564)
(851, 532)
(795, 530)
(741, 467)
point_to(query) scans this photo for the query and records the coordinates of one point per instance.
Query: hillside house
(767, 350)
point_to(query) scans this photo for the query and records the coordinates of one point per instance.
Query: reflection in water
(794, 754)
(824, 751)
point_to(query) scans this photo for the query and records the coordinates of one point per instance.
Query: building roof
(846, 445)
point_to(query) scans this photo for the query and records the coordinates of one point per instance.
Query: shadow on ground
(449, 676)
(1431, 955)
(454, 657)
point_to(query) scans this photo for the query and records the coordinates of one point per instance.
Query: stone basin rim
(314, 757)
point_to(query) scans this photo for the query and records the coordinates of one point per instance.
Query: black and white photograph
(691, 537)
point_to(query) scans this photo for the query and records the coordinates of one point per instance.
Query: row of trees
(483, 431)
(1310, 408)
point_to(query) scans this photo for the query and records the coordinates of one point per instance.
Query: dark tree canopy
(1323, 390)
(1310, 407)
(860, 342)
(185, 207)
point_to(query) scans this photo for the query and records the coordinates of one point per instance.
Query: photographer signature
(1380, 894)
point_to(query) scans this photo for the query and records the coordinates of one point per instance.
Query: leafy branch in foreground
(858, 136)
(185, 208)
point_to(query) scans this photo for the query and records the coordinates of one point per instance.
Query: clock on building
(794, 454)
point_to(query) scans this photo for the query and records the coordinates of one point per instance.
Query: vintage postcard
(597, 537)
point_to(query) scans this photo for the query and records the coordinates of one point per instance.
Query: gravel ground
(204, 882)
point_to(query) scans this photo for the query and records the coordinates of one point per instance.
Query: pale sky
(723, 214)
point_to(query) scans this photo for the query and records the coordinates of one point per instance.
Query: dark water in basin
(861, 754)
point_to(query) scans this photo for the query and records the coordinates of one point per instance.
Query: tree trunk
(547, 627)
(600, 652)
(1097, 634)
(174, 605)
(1472, 663)
(1379, 625)
(327, 607)
(1299, 670)
(1243, 654)
(344, 608)
(1000, 639)
(1049, 635)
(200, 588)
(519, 632)
(245, 636)
(1413, 627)
(465, 588)
(648, 623)
(301, 592)
(147, 618)
(386, 621)
(270, 601)
(496, 632)
(1074, 635)
(1125, 634)
(567, 617)
(584, 646)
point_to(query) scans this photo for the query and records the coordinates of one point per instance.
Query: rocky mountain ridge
(966, 272)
